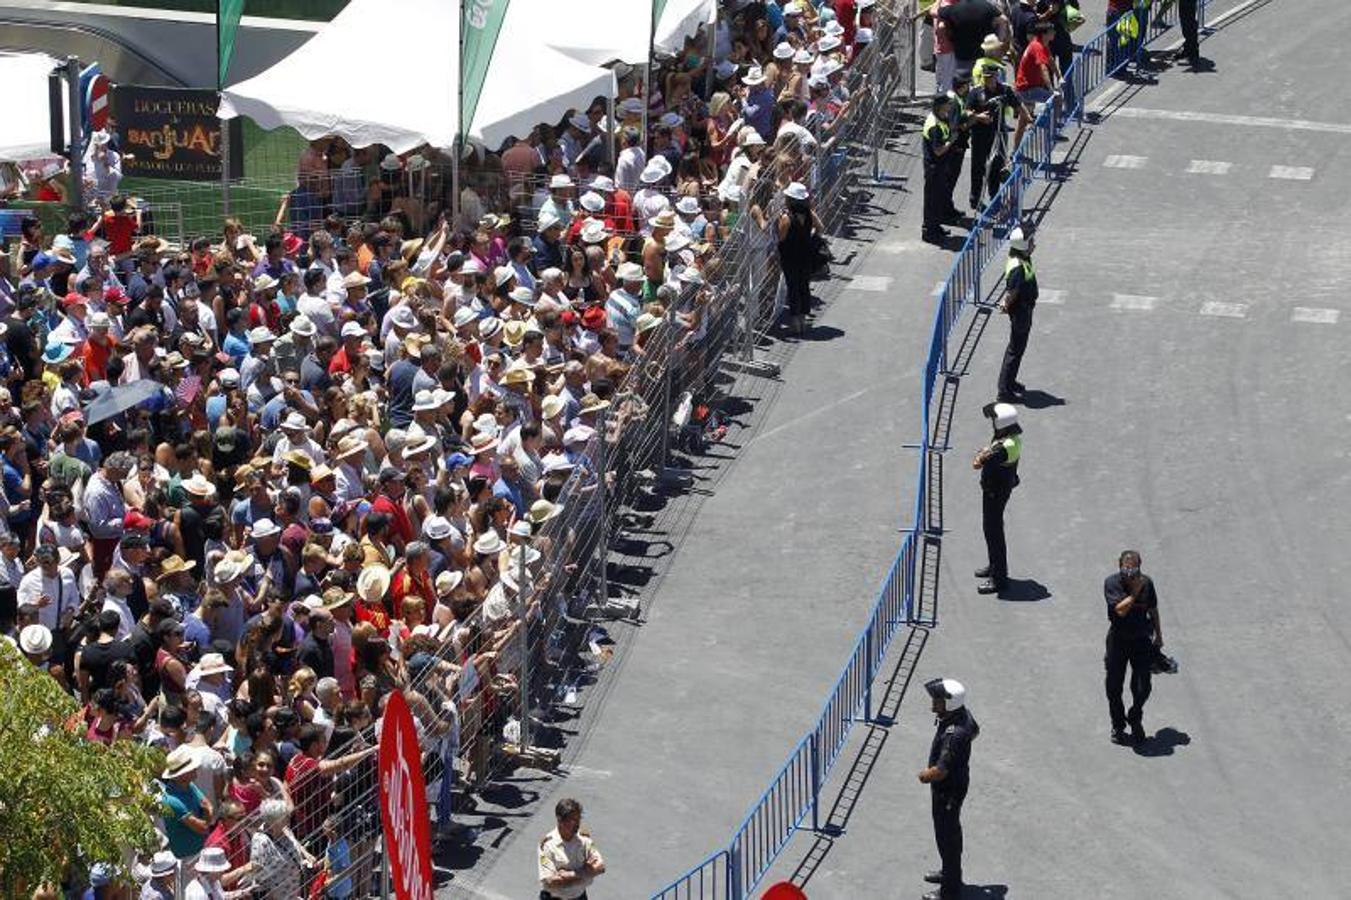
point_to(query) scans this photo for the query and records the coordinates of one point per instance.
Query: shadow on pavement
(1024, 590)
(1039, 399)
(1163, 743)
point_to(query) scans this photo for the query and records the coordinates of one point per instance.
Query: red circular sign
(784, 890)
(403, 804)
(97, 102)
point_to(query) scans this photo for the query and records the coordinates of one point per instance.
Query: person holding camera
(1134, 638)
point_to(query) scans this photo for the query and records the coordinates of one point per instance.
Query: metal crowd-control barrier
(732, 872)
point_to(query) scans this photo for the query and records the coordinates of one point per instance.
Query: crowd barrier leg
(816, 781)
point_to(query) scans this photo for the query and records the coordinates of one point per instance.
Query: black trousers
(992, 506)
(1191, 43)
(986, 174)
(1020, 327)
(935, 180)
(947, 813)
(1139, 654)
(953, 170)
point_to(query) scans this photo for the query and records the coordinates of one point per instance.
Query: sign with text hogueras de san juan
(173, 133)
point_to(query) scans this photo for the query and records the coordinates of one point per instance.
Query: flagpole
(647, 76)
(457, 142)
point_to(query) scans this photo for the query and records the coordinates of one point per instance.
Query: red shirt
(376, 615)
(96, 359)
(118, 229)
(339, 362)
(1029, 67)
(844, 14)
(400, 522)
(406, 584)
(268, 313)
(621, 210)
(310, 789)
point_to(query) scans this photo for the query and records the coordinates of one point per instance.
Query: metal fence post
(384, 869)
(76, 153)
(734, 872)
(525, 646)
(868, 674)
(224, 161)
(603, 539)
(816, 780)
(912, 14)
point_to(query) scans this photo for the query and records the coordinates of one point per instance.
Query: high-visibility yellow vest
(1029, 273)
(1127, 29)
(931, 122)
(1013, 448)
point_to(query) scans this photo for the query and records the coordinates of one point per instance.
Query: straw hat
(373, 583)
(448, 581)
(349, 446)
(213, 664)
(664, 219)
(232, 566)
(489, 543)
(542, 511)
(518, 374)
(199, 486)
(552, 405)
(298, 458)
(591, 403)
(336, 597)
(175, 564)
(513, 334)
(179, 762)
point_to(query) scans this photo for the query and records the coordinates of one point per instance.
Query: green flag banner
(480, 24)
(658, 7)
(228, 13)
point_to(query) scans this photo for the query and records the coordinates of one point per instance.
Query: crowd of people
(254, 484)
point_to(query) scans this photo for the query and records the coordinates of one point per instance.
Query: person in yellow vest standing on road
(937, 142)
(1020, 297)
(998, 465)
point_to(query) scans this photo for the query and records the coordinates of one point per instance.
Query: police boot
(934, 877)
(990, 586)
(1137, 728)
(983, 572)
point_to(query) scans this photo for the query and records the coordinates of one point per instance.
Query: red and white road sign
(403, 804)
(97, 102)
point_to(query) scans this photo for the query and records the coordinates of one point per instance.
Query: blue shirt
(180, 802)
(13, 483)
(237, 346)
(759, 111)
(512, 492)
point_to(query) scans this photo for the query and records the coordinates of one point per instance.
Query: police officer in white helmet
(998, 465)
(948, 775)
(1017, 302)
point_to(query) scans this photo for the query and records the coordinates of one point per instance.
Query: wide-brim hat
(482, 443)
(163, 864)
(179, 762)
(755, 76)
(991, 43)
(213, 664)
(591, 403)
(35, 639)
(336, 598)
(175, 564)
(448, 581)
(489, 543)
(373, 583)
(212, 860)
(664, 219)
(542, 511)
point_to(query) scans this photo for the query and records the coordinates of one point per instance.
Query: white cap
(1004, 415)
(352, 329)
(1020, 240)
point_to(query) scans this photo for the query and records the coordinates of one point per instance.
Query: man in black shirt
(1019, 299)
(948, 776)
(994, 99)
(95, 658)
(968, 22)
(144, 644)
(316, 651)
(1133, 637)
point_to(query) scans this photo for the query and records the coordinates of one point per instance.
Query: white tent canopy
(526, 83)
(23, 84)
(601, 31)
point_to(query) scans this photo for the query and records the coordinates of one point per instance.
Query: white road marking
(875, 283)
(1208, 167)
(1054, 297)
(1291, 173)
(1315, 315)
(1125, 161)
(1224, 310)
(1133, 301)
(1172, 115)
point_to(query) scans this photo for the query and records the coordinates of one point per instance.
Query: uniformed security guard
(1020, 297)
(998, 465)
(948, 776)
(937, 143)
(991, 95)
(961, 119)
(568, 859)
(1134, 638)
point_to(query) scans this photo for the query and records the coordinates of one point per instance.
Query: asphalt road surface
(1187, 369)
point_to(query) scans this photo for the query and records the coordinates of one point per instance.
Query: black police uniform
(1191, 44)
(989, 137)
(1023, 299)
(1130, 640)
(951, 752)
(998, 478)
(959, 117)
(936, 134)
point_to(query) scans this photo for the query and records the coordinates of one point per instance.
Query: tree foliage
(64, 800)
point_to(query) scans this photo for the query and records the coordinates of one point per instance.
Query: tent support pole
(647, 98)
(712, 54)
(610, 123)
(455, 182)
